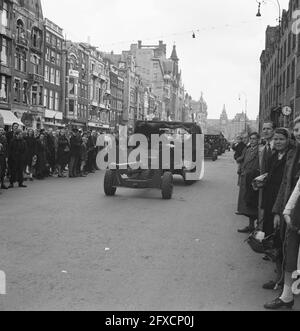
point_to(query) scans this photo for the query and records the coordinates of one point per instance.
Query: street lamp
(264, 1)
(246, 108)
(278, 48)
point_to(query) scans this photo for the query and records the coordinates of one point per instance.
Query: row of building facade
(280, 71)
(47, 81)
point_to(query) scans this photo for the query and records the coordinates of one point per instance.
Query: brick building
(53, 74)
(280, 71)
(76, 59)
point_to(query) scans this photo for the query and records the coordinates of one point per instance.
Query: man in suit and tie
(265, 152)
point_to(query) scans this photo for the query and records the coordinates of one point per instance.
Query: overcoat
(249, 166)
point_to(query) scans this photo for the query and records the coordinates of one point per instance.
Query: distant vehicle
(161, 178)
(211, 150)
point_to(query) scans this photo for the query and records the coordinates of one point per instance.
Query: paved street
(65, 246)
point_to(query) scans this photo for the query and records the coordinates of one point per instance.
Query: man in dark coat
(90, 148)
(51, 153)
(11, 134)
(17, 152)
(75, 146)
(3, 156)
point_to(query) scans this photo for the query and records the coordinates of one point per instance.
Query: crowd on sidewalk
(269, 196)
(28, 154)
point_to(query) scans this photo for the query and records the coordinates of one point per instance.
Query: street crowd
(269, 196)
(37, 154)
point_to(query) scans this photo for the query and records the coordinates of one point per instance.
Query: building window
(47, 73)
(51, 100)
(293, 72)
(17, 90)
(4, 14)
(20, 60)
(53, 57)
(59, 44)
(56, 107)
(52, 76)
(41, 101)
(4, 83)
(289, 43)
(46, 98)
(20, 32)
(72, 86)
(35, 61)
(34, 95)
(48, 38)
(58, 60)
(48, 54)
(71, 106)
(57, 78)
(4, 52)
(53, 41)
(36, 38)
(24, 93)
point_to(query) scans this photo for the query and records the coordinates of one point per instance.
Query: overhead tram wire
(193, 33)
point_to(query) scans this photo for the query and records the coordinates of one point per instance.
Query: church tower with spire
(175, 59)
(224, 121)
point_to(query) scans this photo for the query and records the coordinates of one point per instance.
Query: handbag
(260, 182)
(266, 246)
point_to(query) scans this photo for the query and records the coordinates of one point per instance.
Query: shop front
(53, 119)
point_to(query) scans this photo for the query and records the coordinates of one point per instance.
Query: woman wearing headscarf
(278, 160)
(292, 220)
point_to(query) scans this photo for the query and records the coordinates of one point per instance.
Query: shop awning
(9, 118)
(53, 114)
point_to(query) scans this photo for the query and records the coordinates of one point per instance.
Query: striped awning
(9, 118)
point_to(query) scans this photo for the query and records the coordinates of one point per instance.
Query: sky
(222, 61)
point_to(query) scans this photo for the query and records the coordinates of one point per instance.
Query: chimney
(139, 44)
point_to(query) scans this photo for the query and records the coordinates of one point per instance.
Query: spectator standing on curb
(17, 158)
(63, 152)
(31, 152)
(50, 141)
(3, 156)
(42, 165)
(83, 155)
(10, 134)
(75, 145)
(282, 206)
(249, 169)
